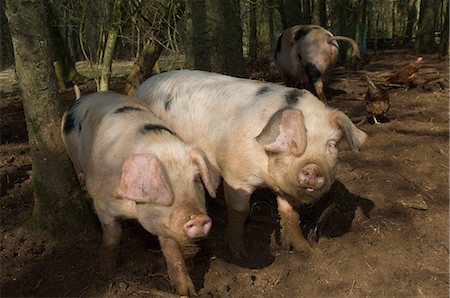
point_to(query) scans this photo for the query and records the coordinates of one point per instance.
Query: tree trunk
(292, 12)
(58, 204)
(217, 36)
(425, 31)
(111, 41)
(271, 25)
(306, 13)
(361, 26)
(144, 65)
(443, 46)
(344, 11)
(201, 49)
(64, 64)
(229, 35)
(6, 50)
(412, 18)
(253, 42)
(323, 13)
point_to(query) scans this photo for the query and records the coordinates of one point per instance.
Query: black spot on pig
(167, 104)
(263, 90)
(127, 109)
(292, 96)
(299, 58)
(69, 124)
(302, 32)
(278, 49)
(147, 128)
(313, 72)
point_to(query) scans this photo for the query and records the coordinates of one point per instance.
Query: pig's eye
(332, 146)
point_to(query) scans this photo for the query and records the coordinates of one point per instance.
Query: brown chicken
(377, 103)
(407, 74)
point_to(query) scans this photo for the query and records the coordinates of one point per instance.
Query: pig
(256, 134)
(306, 54)
(137, 168)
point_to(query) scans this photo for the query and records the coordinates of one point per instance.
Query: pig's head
(302, 148)
(168, 191)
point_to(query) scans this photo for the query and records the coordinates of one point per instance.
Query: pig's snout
(311, 177)
(197, 226)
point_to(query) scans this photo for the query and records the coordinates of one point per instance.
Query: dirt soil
(388, 234)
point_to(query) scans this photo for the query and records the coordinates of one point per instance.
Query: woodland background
(47, 46)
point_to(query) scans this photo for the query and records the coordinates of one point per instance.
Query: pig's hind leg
(109, 253)
(238, 207)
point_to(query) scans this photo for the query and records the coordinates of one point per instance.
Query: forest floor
(388, 235)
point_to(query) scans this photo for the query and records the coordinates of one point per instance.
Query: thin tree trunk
(443, 46)
(111, 41)
(425, 33)
(145, 64)
(292, 11)
(6, 50)
(306, 14)
(64, 64)
(271, 25)
(253, 42)
(412, 18)
(361, 26)
(58, 204)
(323, 13)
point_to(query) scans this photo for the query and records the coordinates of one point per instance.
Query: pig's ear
(284, 132)
(354, 136)
(210, 176)
(143, 181)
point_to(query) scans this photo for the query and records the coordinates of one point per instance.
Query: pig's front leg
(291, 234)
(176, 267)
(238, 207)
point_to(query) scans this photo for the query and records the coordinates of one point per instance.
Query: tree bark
(443, 46)
(144, 65)
(64, 64)
(217, 36)
(253, 38)
(306, 12)
(58, 204)
(292, 12)
(111, 41)
(425, 31)
(361, 26)
(412, 18)
(323, 19)
(6, 50)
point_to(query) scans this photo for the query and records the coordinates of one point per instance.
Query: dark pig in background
(137, 168)
(256, 134)
(306, 54)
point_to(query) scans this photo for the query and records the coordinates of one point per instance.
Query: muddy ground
(387, 236)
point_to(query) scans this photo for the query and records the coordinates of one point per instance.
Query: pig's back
(104, 121)
(208, 109)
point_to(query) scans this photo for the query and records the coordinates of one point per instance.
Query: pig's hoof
(107, 268)
(299, 245)
(236, 246)
(238, 251)
(186, 288)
